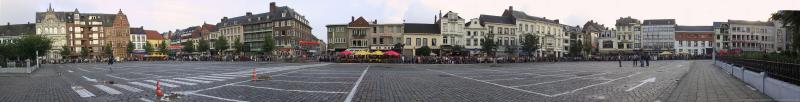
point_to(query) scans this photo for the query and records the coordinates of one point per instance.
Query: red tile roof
(153, 35)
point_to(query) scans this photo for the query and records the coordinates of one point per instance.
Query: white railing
(777, 89)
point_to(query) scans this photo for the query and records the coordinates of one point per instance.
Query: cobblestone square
(232, 81)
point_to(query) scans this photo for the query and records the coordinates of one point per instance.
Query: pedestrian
(641, 59)
(619, 58)
(647, 60)
(633, 59)
(110, 62)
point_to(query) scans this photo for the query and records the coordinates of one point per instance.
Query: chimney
(352, 18)
(248, 14)
(510, 8)
(375, 21)
(272, 7)
(142, 27)
(8, 23)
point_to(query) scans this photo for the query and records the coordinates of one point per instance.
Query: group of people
(440, 59)
(642, 59)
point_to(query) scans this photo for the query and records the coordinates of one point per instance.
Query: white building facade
(452, 29)
(54, 29)
(476, 33)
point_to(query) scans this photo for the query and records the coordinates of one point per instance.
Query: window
(408, 41)
(419, 42)
(433, 41)
(381, 41)
(424, 41)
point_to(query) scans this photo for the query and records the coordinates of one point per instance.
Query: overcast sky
(165, 15)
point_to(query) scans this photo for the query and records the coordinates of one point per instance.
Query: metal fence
(786, 72)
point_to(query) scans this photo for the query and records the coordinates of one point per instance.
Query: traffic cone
(254, 74)
(158, 89)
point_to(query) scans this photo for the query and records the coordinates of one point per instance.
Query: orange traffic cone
(158, 89)
(254, 74)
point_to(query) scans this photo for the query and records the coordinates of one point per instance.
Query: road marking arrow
(69, 71)
(89, 79)
(653, 79)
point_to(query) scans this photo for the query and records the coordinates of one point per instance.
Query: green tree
(203, 46)
(221, 44)
(130, 47)
(423, 51)
(530, 43)
(148, 48)
(488, 45)
(790, 20)
(398, 48)
(269, 45)
(188, 46)
(29, 45)
(108, 50)
(237, 46)
(163, 48)
(84, 52)
(575, 48)
(65, 51)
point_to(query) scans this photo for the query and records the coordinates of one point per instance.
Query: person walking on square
(633, 59)
(641, 59)
(647, 60)
(619, 58)
(110, 62)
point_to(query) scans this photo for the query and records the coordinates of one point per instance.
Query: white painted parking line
(163, 83)
(82, 91)
(192, 80)
(594, 85)
(311, 82)
(145, 100)
(81, 69)
(107, 89)
(204, 78)
(515, 78)
(179, 82)
(144, 85)
(220, 98)
(492, 83)
(129, 88)
(306, 91)
(559, 80)
(355, 87)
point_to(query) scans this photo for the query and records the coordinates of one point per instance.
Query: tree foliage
(221, 44)
(65, 51)
(790, 20)
(188, 46)
(530, 43)
(269, 45)
(423, 51)
(488, 46)
(237, 46)
(203, 46)
(29, 45)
